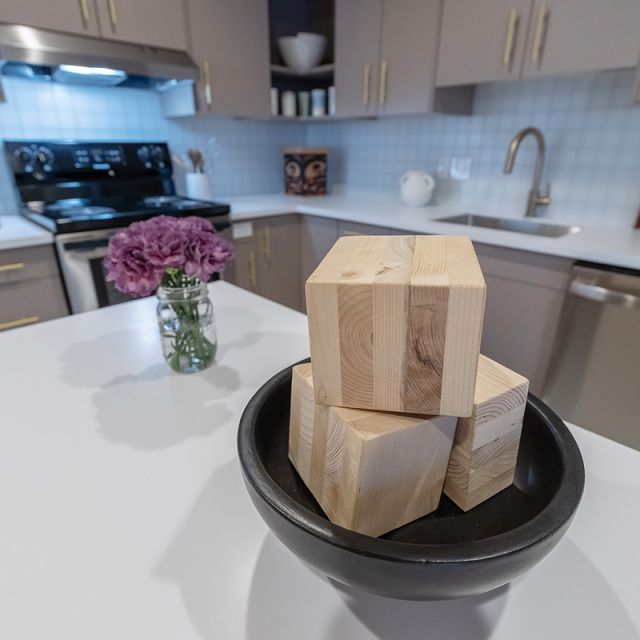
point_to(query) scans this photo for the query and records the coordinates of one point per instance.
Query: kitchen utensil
(445, 554)
(197, 160)
(318, 102)
(289, 104)
(178, 160)
(416, 188)
(303, 51)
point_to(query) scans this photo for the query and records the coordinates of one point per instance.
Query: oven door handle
(86, 245)
(602, 294)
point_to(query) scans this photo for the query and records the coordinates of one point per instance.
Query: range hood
(41, 48)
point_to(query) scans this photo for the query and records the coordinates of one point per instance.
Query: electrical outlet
(442, 171)
(461, 168)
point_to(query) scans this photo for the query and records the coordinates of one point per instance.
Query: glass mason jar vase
(187, 327)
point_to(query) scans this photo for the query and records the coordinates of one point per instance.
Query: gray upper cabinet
(157, 23)
(386, 53)
(482, 41)
(229, 40)
(357, 51)
(568, 36)
(72, 16)
(408, 56)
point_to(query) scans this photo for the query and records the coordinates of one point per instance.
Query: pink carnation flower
(139, 255)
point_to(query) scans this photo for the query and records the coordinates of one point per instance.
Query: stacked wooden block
(395, 325)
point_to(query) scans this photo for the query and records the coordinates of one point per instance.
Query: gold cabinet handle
(366, 85)
(253, 280)
(382, 98)
(13, 324)
(540, 34)
(266, 243)
(16, 266)
(206, 82)
(512, 35)
(84, 10)
(113, 14)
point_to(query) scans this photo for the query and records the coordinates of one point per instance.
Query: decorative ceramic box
(485, 451)
(395, 324)
(305, 171)
(371, 472)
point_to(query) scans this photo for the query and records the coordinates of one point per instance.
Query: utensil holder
(198, 186)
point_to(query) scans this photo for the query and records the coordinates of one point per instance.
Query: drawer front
(31, 301)
(533, 268)
(360, 229)
(27, 263)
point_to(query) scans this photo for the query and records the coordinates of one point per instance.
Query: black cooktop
(86, 214)
(70, 186)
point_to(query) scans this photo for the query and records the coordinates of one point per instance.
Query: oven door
(81, 256)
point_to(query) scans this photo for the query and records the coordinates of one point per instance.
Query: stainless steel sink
(519, 225)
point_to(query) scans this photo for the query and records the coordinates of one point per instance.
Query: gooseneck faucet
(536, 199)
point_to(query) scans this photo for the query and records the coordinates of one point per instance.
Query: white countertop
(618, 247)
(16, 232)
(124, 514)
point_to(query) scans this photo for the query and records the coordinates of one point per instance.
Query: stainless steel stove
(84, 192)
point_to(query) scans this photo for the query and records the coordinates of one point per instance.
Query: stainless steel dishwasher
(594, 377)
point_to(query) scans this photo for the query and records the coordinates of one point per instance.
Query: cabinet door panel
(360, 229)
(71, 16)
(31, 301)
(481, 41)
(569, 36)
(409, 47)
(243, 271)
(157, 23)
(317, 236)
(279, 260)
(357, 46)
(229, 40)
(520, 325)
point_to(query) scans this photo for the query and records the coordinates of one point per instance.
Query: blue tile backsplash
(593, 149)
(246, 157)
(591, 127)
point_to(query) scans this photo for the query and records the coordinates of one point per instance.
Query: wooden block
(370, 472)
(485, 450)
(395, 324)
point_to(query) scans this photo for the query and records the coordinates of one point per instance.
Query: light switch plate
(461, 168)
(241, 230)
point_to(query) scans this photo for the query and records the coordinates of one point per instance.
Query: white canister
(198, 186)
(275, 99)
(318, 102)
(332, 100)
(289, 104)
(416, 188)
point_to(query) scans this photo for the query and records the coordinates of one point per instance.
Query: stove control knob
(157, 156)
(143, 155)
(25, 156)
(44, 159)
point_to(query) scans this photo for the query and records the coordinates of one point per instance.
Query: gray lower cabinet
(30, 287)
(525, 296)
(268, 260)
(317, 236)
(279, 260)
(359, 229)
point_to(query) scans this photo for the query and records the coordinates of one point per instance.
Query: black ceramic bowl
(446, 554)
